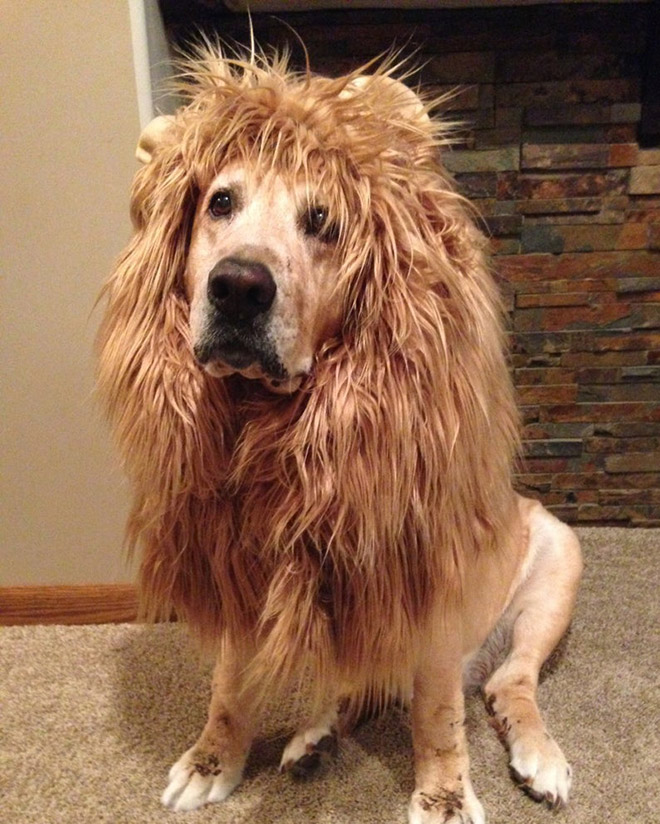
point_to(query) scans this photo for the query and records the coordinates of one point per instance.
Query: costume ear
(152, 136)
(392, 93)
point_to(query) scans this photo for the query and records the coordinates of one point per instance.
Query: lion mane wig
(321, 525)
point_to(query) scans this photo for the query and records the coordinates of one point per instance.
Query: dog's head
(280, 206)
(261, 275)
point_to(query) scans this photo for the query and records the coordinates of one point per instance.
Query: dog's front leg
(443, 792)
(213, 767)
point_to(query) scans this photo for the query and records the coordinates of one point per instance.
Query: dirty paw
(307, 753)
(197, 779)
(445, 807)
(540, 769)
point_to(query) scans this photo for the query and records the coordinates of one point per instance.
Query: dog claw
(533, 794)
(554, 802)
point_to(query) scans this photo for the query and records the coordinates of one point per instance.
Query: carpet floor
(92, 717)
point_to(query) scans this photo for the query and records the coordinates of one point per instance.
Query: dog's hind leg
(541, 611)
(315, 742)
(213, 767)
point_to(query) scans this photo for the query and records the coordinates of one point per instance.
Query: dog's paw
(197, 779)
(538, 766)
(445, 807)
(308, 751)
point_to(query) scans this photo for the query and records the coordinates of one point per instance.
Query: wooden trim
(86, 604)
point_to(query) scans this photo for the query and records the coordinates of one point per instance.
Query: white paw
(446, 808)
(304, 753)
(541, 770)
(192, 784)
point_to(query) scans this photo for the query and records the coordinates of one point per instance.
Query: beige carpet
(91, 717)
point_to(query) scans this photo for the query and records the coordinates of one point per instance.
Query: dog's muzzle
(240, 294)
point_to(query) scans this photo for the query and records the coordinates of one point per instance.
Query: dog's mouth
(237, 357)
(254, 360)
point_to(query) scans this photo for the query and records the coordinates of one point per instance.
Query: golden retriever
(302, 359)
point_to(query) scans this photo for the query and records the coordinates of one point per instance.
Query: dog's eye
(221, 204)
(316, 224)
(316, 218)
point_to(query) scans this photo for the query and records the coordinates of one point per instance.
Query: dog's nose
(241, 289)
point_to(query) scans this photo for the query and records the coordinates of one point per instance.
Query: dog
(303, 362)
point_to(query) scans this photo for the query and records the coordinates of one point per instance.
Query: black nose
(241, 289)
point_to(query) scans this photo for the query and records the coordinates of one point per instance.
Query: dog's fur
(326, 487)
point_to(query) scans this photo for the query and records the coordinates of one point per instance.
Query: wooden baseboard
(86, 604)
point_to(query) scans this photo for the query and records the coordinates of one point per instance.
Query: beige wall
(69, 125)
